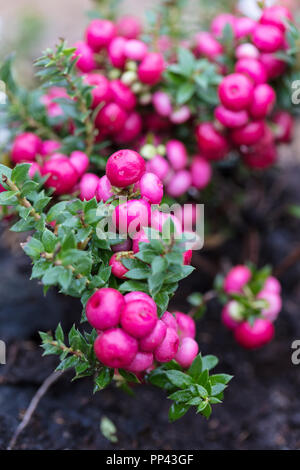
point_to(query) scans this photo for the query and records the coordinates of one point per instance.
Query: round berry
(168, 348)
(231, 119)
(273, 66)
(273, 309)
(86, 62)
(25, 148)
(177, 154)
(110, 119)
(208, 46)
(276, 15)
(104, 189)
(247, 51)
(264, 98)
(88, 186)
(256, 336)
(179, 184)
(135, 49)
(34, 169)
(115, 348)
(131, 216)
(126, 245)
(151, 68)
(129, 27)
(150, 342)
(122, 95)
(248, 134)
(186, 325)
(100, 33)
(80, 162)
(151, 188)
(170, 320)
(101, 92)
(253, 69)
(231, 315)
(236, 92)
(103, 309)
(137, 295)
(211, 143)
(272, 285)
(117, 268)
(124, 168)
(116, 52)
(49, 147)
(201, 172)
(162, 103)
(180, 115)
(62, 175)
(139, 237)
(159, 166)
(244, 26)
(187, 351)
(220, 22)
(236, 279)
(138, 318)
(141, 362)
(285, 126)
(267, 38)
(131, 129)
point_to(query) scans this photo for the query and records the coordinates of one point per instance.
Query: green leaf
(131, 286)
(65, 279)
(185, 93)
(59, 334)
(6, 171)
(68, 363)
(51, 276)
(49, 240)
(129, 376)
(177, 410)
(181, 396)
(159, 265)
(196, 368)
(209, 362)
(20, 173)
(8, 198)
(187, 61)
(179, 379)
(33, 248)
(138, 273)
(103, 379)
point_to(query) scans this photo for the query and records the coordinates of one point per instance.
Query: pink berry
(260, 158)
(25, 148)
(285, 126)
(101, 92)
(186, 325)
(126, 245)
(179, 184)
(276, 15)
(220, 22)
(211, 142)
(247, 51)
(103, 309)
(159, 166)
(187, 257)
(131, 129)
(267, 38)
(208, 46)
(80, 162)
(177, 154)
(236, 279)
(104, 190)
(274, 304)
(139, 237)
(117, 268)
(264, 98)
(201, 172)
(2, 189)
(231, 119)
(170, 320)
(111, 118)
(231, 316)
(158, 219)
(100, 33)
(150, 342)
(124, 168)
(162, 103)
(116, 52)
(274, 67)
(135, 49)
(180, 115)
(244, 26)
(272, 285)
(187, 351)
(62, 174)
(49, 147)
(252, 68)
(236, 92)
(131, 216)
(34, 169)
(137, 295)
(141, 362)
(256, 336)
(151, 68)
(138, 318)
(88, 186)
(248, 134)
(122, 95)
(167, 350)
(86, 62)
(129, 27)
(115, 348)
(151, 188)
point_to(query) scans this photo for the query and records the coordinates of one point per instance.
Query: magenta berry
(162, 103)
(187, 351)
(48, 147)
(179, 184)
(101, 92)
(25, 148)
(220, 22)
(131, 216)
(85, 56)
(285, 126)
(141, 362)
(151, 68)
(88, 186)
(231, 119)
(208, 46)
(100, 33)
(256, 336)
(236, 279)
(201, 172)
(131, 129)
(231, 316)
(249, 134)
(104, 189)
(115, 348)
(244, 26)
(267, 38)
(117, 268)
(124, 168)
(177, 154)
(264, 98)
(135, 49)
(170, 320)
(168, 348)
(273, 66)
(211, 142)
(34, 169)
(272, 285)
(80, 162)
(103, 309)
(139, 237)
(129, 27)
(151, 188)
(111, 118)
(187, 257)
(116, 52)
(150, 342)
(158, 219)
(273, 309)
(62, 175)
(276, 15)
(137, 295)
(253, 69)
(260, 158)
(122, 95)
(159, 166)
(186, 325)
(236, 92)
(138, 318)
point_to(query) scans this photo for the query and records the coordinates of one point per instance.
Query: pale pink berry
(124, 168)
(272, 285)
(162, 103)
(122, 95)
(85, 55)
(117, 268)
(264, 98)
(180, 115)
(277, 15)
(139, 237)
(274, 307)
(170, 320)
(231, 119)
(236, 279)
(88, 186)
(100, 33)
(177, 154)
(80, 162)
(137, 295)
(249, 134)
(62, 174)
(207, 45)
(268, 38)
(231, 316)
(111, 119)
(167, 350)
(236, 92)
(101, 92)
(187, 351)
(34, 169)
(158, 220)
(138, 318)
(256, 336)
(186, 325)
(151, 188)
(103, 309)
(135, 49)
(244, 26)
(131, 129)
(115, 348)
(273, 66)
(179, 184)
(220, 22)
(25, 148)
(151, 68)
(211, 142)
(253, 69)
(129, 26)
(104, 189)
(131, 216)
(247, 51)
(150, 342)
(49, 147)
(141, 362)
(116, 52)
(159, 166)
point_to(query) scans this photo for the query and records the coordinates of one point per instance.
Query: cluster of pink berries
(234, 314)
(247, 100)
(132, 337)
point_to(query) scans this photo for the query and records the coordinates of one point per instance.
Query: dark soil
(262, 404)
